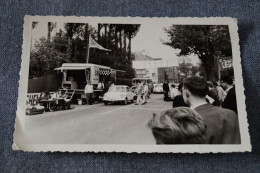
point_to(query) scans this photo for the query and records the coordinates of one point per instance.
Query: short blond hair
(179, 125)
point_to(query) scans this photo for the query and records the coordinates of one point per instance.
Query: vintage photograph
(131, 85)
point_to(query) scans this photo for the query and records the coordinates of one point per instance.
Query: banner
(94, 44)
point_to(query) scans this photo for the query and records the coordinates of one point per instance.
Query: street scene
(96, 124)
(105, 83)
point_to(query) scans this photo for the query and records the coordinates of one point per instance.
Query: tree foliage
(206, 41)
(71, 44)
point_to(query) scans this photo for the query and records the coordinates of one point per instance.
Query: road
(96, 124)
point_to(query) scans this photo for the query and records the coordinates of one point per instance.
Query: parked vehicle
(158, 88)
(119, 93)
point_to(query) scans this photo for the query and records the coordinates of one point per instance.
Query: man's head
(194, 88)
(173, 85)
(210, 84)
(89, 82)
(226, 81)
(179, 125)
(166, 81)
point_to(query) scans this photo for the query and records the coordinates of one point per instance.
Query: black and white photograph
(128, 84)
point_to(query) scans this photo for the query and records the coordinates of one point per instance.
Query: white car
(119, 93)
(158, 88)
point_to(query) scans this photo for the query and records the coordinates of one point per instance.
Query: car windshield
(158, 85)
(117, 89)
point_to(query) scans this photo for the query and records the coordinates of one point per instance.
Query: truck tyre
(105, 103)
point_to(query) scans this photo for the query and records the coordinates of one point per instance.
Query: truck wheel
(105, 103)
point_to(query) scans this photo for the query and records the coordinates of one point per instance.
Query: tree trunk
(105, 34)
(129, 46)
(116, 38)
(87, 43)
(49, 32)
(69, 48)
(99, 28)
(125, 41)
(109, 34)
(120, 39)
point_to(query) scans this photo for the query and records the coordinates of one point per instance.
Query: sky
(148, 40)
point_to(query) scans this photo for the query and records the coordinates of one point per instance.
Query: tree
(51, 26)
(205, 41)
(130, 31)
(46, 56)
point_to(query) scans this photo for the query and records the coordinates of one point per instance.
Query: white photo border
(19, 136)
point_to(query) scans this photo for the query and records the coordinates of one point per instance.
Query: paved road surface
(95, 124)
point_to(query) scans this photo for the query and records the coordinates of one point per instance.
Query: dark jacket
(230, 101)
(166, 87)
(222, 124)
(178, 102)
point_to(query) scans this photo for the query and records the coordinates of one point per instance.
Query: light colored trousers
(139, 99)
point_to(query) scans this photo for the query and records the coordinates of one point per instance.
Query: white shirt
(100, 85)
(145, 88)
(89, 88)
(175, 91)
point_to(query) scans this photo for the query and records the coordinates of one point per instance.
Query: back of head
(196, 85)
(227, 80)
(179, 125)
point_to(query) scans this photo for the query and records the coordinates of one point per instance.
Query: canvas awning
(71, 68)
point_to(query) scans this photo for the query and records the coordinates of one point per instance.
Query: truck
(76, 75)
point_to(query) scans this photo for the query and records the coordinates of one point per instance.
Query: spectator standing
(145, 93)
(213, 94)
(139, 91)
(174, 91)
(230, 101)
(89, 90)
(166, 90)
(178, 100)
(219, 90)
(222, 124)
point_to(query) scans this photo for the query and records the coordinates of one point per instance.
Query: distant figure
(178, 100)
(166, 90)
(222, 124)
(150, 89)
(230, 101)
(174, 91)
(145, 93)
(107, 86)
(213, 94)
(56, 95)
(89, 90)
(139, 92)
(180, 125)
(100, 85)
(219, 90)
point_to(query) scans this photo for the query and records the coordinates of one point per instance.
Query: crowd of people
(203, 113)
(143, 91)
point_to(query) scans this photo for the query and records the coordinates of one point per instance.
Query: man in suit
(230, 101)
(166, 90)
(222, 124)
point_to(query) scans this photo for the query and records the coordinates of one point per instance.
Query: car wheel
(126, 101)
(105, 103)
